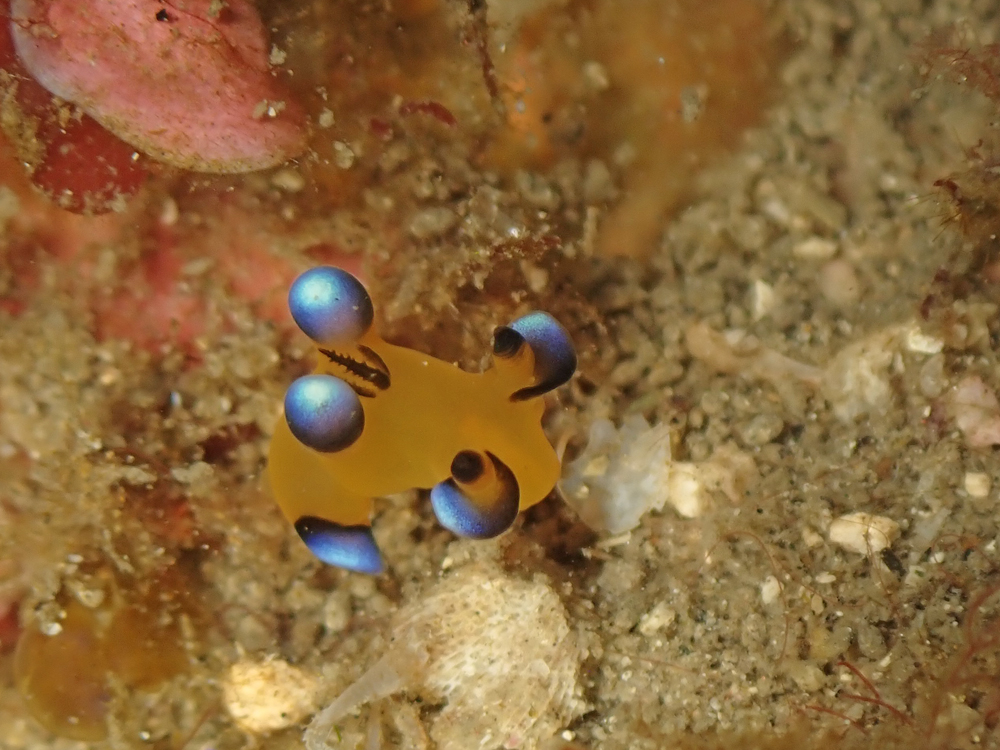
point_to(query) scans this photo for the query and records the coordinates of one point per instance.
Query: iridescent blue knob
(330, 305)
(555, 358)
(350, 547)
(483, 519)
(324, 413)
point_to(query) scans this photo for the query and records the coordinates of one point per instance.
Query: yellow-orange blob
(412, 432)
(134, 635)
(143, 648)
(63, 677)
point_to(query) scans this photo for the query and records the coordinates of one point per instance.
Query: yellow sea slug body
(376, 419)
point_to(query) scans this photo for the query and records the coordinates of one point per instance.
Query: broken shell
(497, 651)
(269, 695)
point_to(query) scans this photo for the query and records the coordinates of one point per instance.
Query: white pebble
(807, 676)
(769, 590)
(343, 155)
(685, 490)
(595, 76)
(839, 283)
(762, 299)
(919, 342)
(815, 248)
(277, 56)
(977, 483)
(658, 618)
(811, 538)
(288, 180)
(864, 533)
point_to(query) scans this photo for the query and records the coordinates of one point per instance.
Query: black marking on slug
(377, 376)
(506, 342)
(467, 466)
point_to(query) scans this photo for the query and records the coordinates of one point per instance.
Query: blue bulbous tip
(349, 547)
(324, 413)
(330, 305)
(555, 358)
(465, 517)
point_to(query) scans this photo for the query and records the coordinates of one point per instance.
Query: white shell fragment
(620, 475)
(499, 642)
(497, 651)
(625, 473)
(864, 533)
(269, 695)
(857, 380)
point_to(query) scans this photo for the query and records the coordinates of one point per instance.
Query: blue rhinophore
(330, 305)
(555, 358)
(351, 547)
(478, 520)
(324, 413)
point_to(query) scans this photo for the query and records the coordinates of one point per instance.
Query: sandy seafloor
(785, 337)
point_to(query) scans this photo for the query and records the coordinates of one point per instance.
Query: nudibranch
(375, 419)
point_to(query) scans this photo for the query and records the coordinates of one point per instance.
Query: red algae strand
(186, 85)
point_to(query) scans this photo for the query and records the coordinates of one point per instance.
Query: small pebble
(288, 180)
(864, 533)
(598, 184)
(432, 222)
(815, 248)
(343, 155)
(811, 538)
(932, 379)
(839, 283)
(685, 490)
(277, 56)
(762, 429)
(816, 604)
(977, 483)
(657, 619)
(595, 76)
(919, 342)
(871, 643)
(762, 299)
(806, 675)
(769, 590)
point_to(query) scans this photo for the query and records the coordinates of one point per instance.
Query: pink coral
(187, 83)
(977, 412)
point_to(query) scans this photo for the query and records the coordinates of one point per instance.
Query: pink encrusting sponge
(187, 82)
